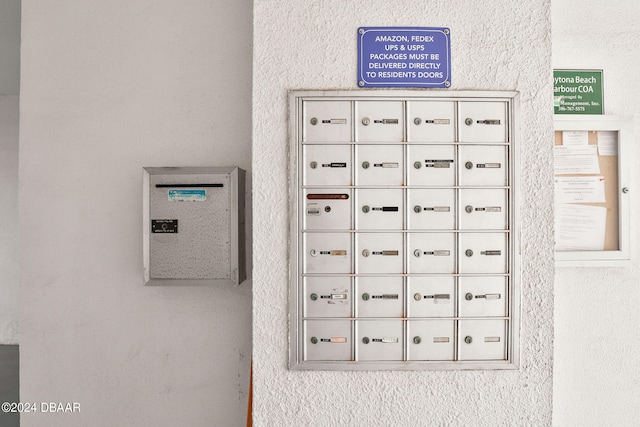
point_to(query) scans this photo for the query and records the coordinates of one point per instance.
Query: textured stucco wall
(597, 366)
(501, 45)
(107, 88)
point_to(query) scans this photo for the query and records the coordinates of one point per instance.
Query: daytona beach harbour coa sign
(404, 57)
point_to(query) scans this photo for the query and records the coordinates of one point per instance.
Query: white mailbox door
(380, 340)
(327, 210)
(431, 253)
(326, 121)
(327, 296)
(327, 253)
(483, 165)
(327, 165)
(327, 340)
(379, 297)
(431, 121)
(482, 121)
(483, 209)
(379, 253)
(379, 165)
(482, 296)
(431, 296)
(483, 253)
(482, 339)
(380, 121)
(431, 209)
(378, 209)
(431, 339)
(431, 165)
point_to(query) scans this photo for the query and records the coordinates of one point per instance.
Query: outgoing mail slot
(379, 209)
(379, 252)
(483, 252)
(431, 209)
(431, 121)
(431, 297)
(327, 165)
(327, 296)
(326, 121)
(482, 339)
(379, 165)
(430, 339)
(327, 340)
(431, 253)
(379, 340)
(482, 296)
(483, 165)
(483, 209)
(482, 121)
(379, 297)
(379, 121)
(327, 253)
(432, 165)
(327, 209)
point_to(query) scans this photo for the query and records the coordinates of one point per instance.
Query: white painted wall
(310, 45)
(107, 88)
(9, 105)
(596, 361)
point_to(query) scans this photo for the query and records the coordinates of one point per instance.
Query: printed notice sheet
(575, 137)
(608, 143)
(580, 227)
(576, 159)
(579, 189)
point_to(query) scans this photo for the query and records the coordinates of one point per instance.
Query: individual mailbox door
(381, 121)
(379, 297)
(326, 121)
(430, 339)
(482, 121)
(483, 209)
(379, 165)
(327, 253)
(431, 121)
(482, 339)
(379, 209)
(327, 209)
(327, 340)
(327, 165)
(483, 253)
(379, 253)
(431, 209)
(482, 296)
(431, 165)
(483, 165)
(379, 340)
(327, 296)
(431, 253)
(431, 297)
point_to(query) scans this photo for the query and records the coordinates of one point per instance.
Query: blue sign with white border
(404, 57)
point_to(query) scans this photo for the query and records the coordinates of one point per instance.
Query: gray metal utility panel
(193, 227)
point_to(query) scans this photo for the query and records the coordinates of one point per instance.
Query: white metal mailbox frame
(296, 303)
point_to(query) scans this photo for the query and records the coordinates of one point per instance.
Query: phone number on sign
(53, 407)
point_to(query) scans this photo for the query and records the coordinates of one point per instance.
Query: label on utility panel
(187, 195)
(164, 225)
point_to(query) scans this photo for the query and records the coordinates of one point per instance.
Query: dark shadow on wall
(9, 384)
